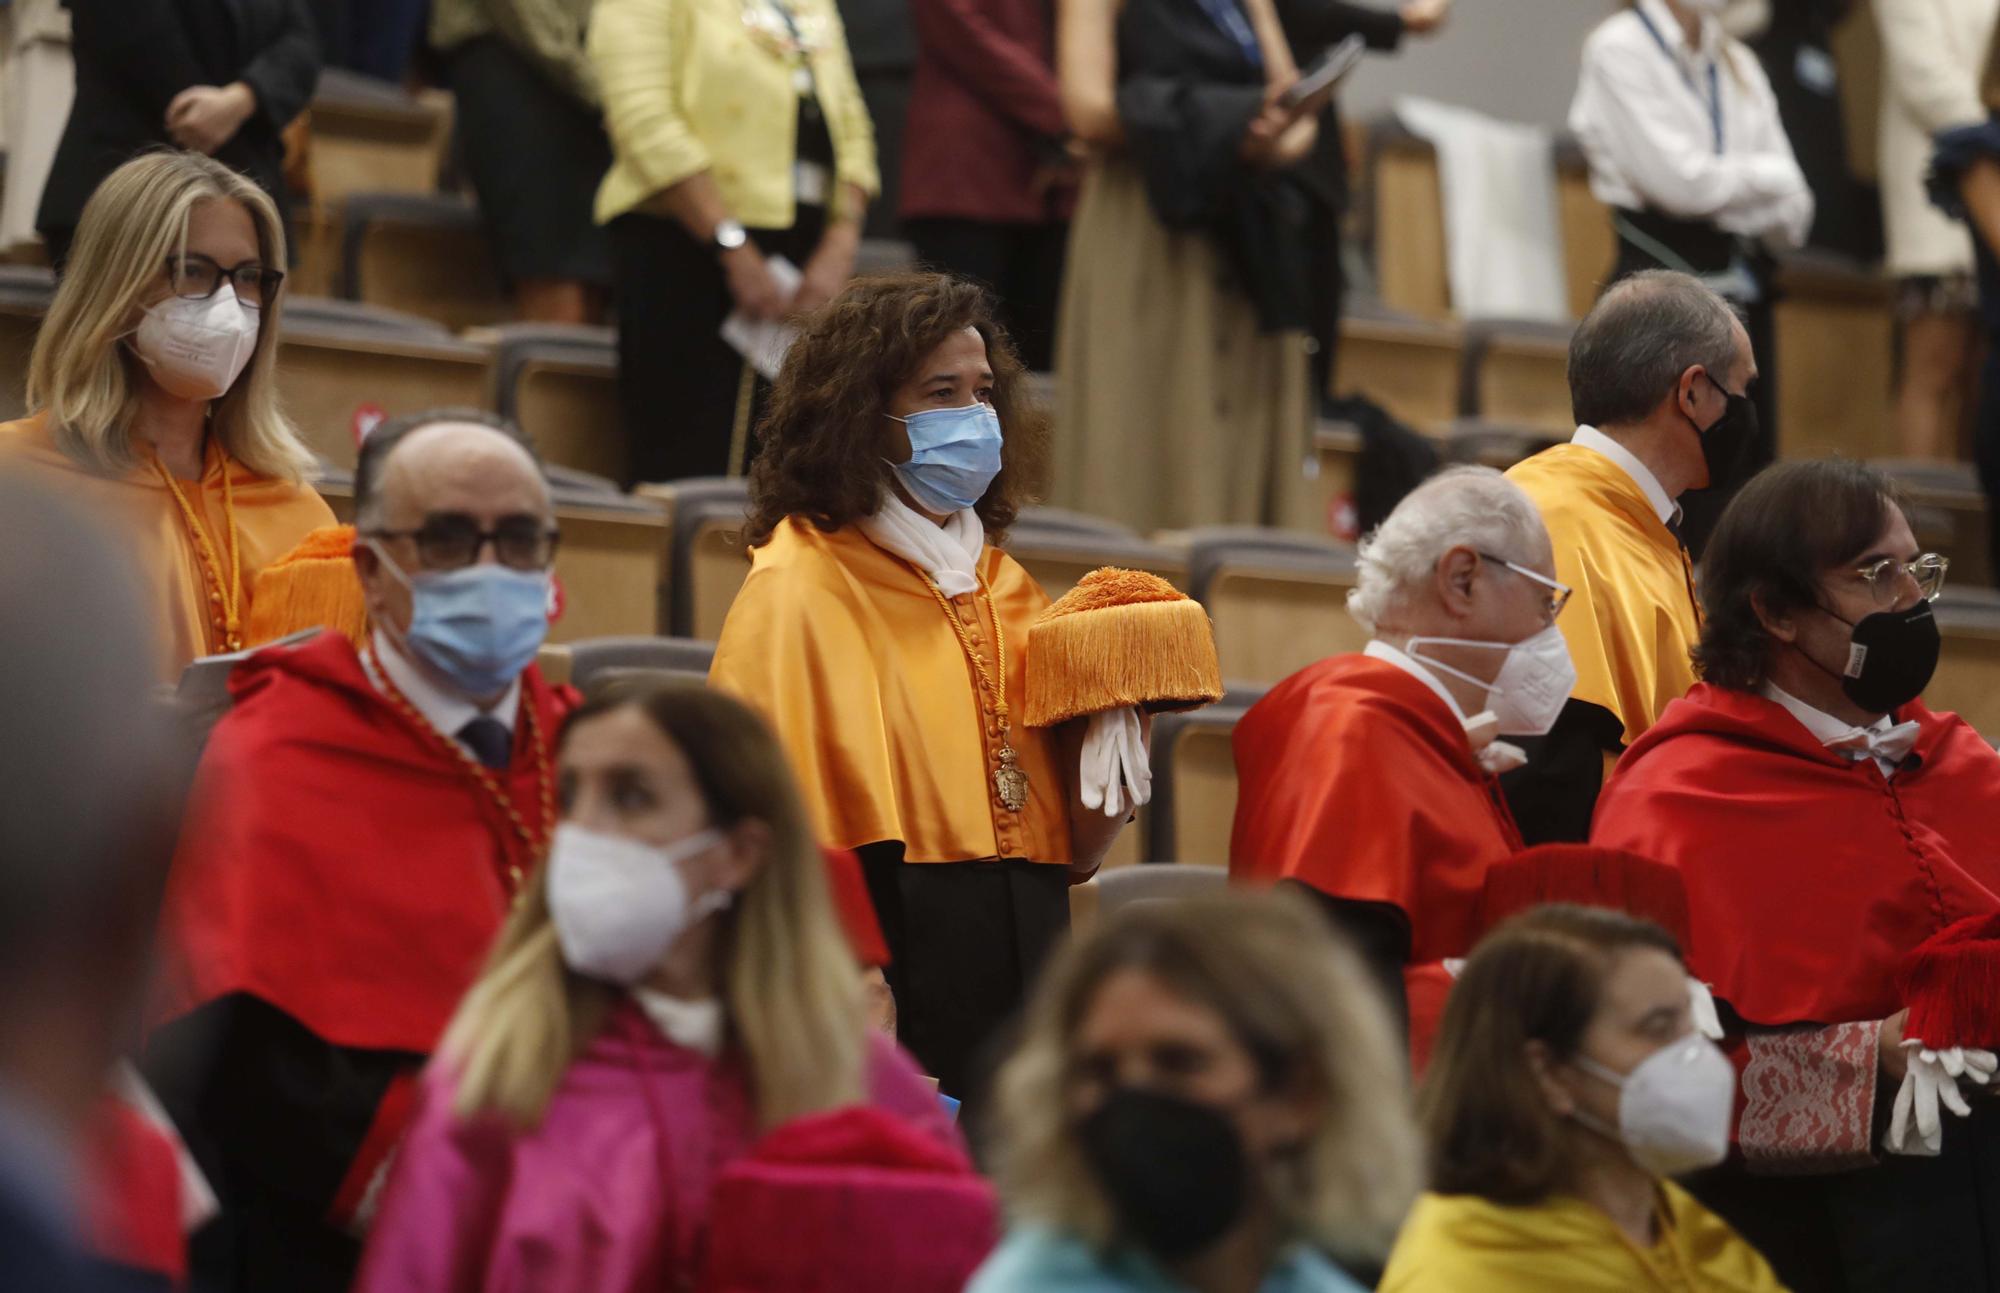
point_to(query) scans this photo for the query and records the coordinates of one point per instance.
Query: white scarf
(948, 553)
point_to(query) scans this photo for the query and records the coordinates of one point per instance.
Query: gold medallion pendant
(1009, 782)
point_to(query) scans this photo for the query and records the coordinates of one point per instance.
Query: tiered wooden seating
(422, 254)
(1111, 890)
(1948, 512)
(710, 558)
(560, 385)
(1968, 675)
(1194, 784)
(1589, 245)
(1058, 551)
(597, 659)
(1279, 600)
(330, 367)
(611, 565)
(1517, 373)
(371, 136)
(1409, 366)
(1836, 333)
(24, 296)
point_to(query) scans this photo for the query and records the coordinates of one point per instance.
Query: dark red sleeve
(1012, 78)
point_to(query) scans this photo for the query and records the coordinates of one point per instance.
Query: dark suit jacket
(134, 56)
(985, 114)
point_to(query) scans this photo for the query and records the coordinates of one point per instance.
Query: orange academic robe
(847, 652)
(271, 517)
(1356, 779)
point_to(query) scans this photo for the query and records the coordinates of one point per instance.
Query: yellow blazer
(688, 87)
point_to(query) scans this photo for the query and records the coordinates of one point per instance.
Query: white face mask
(619, 905)
(1528, 692)
(197, 349)
(1673, 1109)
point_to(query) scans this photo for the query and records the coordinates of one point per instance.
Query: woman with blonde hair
(1209, 1098)
(1568, 1083)
(674, 983)
(154, 380)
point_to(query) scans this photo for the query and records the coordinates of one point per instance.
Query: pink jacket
(611, 1193)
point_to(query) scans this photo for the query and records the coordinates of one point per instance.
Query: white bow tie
(1891, 744)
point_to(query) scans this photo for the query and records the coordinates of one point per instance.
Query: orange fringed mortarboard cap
(313, 586)
(1120, 637)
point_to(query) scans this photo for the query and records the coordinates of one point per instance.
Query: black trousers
(679, 383)
(1022, 263)
(966, 943)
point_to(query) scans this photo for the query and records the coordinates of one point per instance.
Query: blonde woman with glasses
(1208, 1099)
(673, 984)
(155, 390)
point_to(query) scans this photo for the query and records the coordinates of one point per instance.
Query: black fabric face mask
(1173, 1169)
(1890, 658)
(1727, 443)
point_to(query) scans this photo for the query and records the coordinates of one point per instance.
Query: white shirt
(1664, 507)
(697, 1025)
(1825, 728)
(443, 710)
(1377, 649)
(1646, 118)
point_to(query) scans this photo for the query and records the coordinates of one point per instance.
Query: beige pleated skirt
(1172, 409)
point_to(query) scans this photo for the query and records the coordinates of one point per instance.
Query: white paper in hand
(764, 342)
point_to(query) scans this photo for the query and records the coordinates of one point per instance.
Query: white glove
(1932, 1079)
(1116, 774)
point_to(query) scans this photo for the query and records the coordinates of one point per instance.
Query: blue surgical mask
(954, 456)
(478, 626)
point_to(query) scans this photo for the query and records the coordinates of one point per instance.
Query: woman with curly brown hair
(884, 636)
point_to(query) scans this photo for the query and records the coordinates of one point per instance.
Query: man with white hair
(1370, 779)
(360, 824)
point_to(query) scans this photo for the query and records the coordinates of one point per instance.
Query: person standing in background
(531, 132)
(884, 50)
(1180, 347)
(1932, 53)
(223, 79)
(738, 134)
(1313, 27)
(991, 182)
(37, 83)
(1685, 144)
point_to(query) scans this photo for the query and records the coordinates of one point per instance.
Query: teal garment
(1039, 1260)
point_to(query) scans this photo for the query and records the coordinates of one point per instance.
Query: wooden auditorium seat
(424, 254)
(1498, 445)
(1589, 245)
(1059, 558)
(1278, 599)
(709, 556)
(1157, 882)
(883, 256)
(1836, 334)
(1517, 372)
(1194, 784)
(1968, 674)
(372, 136)
(611, 564)
(559, 383)
(1411, 367)
(24, 297)
(597, 658)
(1948, 512)
(329, 371)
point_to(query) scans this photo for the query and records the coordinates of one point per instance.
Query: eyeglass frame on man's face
(1559, 593)
(267, 281)
(459, 528)
(1933, 565)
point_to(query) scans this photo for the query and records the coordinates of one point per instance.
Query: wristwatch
(729, 235)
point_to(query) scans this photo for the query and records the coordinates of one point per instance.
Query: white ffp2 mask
(197, 349)
(1673, 1109)
(619, 905)
(1534, 681)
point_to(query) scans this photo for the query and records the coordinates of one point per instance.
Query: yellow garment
(271, 517)
(688, 88)
(1455, 1243)
(846, 650)
(1632, 621)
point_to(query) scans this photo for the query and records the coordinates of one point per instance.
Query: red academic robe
(339, 879)
(1356, 779)
(1809, 877)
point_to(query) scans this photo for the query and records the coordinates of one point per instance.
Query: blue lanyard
(1228, 15)
(1714, 88)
